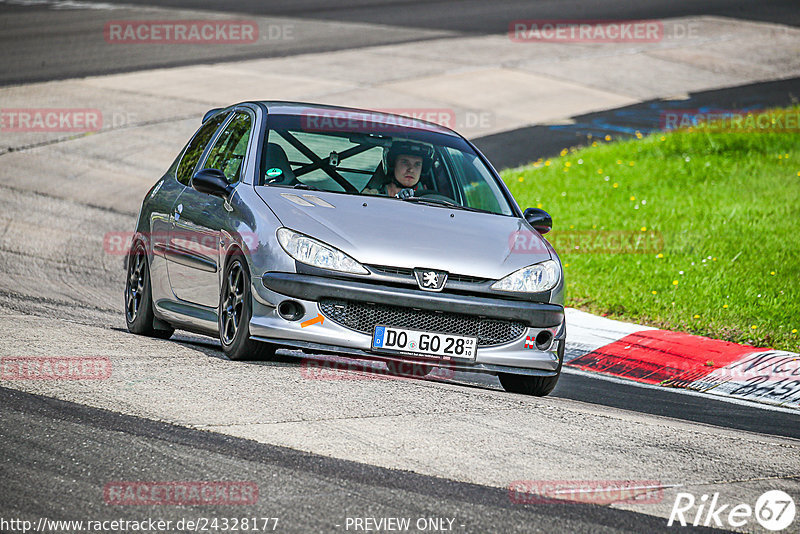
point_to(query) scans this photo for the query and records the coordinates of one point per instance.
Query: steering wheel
(433, 195)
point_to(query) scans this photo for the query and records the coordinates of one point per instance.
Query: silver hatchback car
(337, 230)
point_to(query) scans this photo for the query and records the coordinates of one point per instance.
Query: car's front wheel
(538, 386)
(139, 297)
(235, 310)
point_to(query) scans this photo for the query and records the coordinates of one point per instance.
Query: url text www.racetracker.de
(224, 524)
(200, 524)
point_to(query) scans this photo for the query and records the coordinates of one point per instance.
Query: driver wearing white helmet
(404, 163)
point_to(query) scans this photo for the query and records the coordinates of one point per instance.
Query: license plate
(416, 342)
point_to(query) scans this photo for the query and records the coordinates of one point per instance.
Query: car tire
(538, 386)
(409, 369)
(139, 297)
(235, 311)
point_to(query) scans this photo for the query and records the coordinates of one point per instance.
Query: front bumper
(308, 290)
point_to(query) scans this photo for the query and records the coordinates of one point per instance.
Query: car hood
(389, 232)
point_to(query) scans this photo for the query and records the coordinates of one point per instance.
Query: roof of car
(355, 114)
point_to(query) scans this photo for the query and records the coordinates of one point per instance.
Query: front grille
(410, 273)
(392, 270)
(467, 279)
(363, 317)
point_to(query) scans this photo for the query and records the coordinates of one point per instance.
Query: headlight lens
(312, 252)
(533, 279)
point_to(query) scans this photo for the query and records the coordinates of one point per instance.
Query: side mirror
(539, 219)
(212, 182)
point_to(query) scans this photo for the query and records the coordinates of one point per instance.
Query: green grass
(728, 208)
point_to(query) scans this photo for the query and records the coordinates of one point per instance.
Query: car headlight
(533, 279)
(312, 252)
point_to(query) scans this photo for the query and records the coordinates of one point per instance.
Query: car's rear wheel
(139, 297)
(538, 386)
(409, 369)
(235, 310)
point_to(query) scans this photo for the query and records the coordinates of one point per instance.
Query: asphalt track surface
(307, 492)
(475, 16)
(46, 39)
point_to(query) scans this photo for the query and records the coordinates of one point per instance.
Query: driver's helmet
(409, 148)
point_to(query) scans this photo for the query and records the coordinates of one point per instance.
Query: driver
(404, 162)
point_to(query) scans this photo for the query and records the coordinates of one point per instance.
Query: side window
(195, 148)
(477, 185)
(228, 153)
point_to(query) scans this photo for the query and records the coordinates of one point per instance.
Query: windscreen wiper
(443, 203)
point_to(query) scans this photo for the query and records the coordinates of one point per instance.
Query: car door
(183, 174)
(198, 218)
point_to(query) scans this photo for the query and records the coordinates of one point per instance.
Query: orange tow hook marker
(318, 319)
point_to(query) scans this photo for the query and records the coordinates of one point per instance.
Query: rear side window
(357, 164)
(196, 147)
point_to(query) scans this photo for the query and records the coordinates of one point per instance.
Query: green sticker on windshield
(274, 171)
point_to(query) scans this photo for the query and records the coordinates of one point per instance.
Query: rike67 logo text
(774, 510)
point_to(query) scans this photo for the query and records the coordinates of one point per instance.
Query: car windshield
(364, 157)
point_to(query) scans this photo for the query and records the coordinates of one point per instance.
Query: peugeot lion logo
(430, 280)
